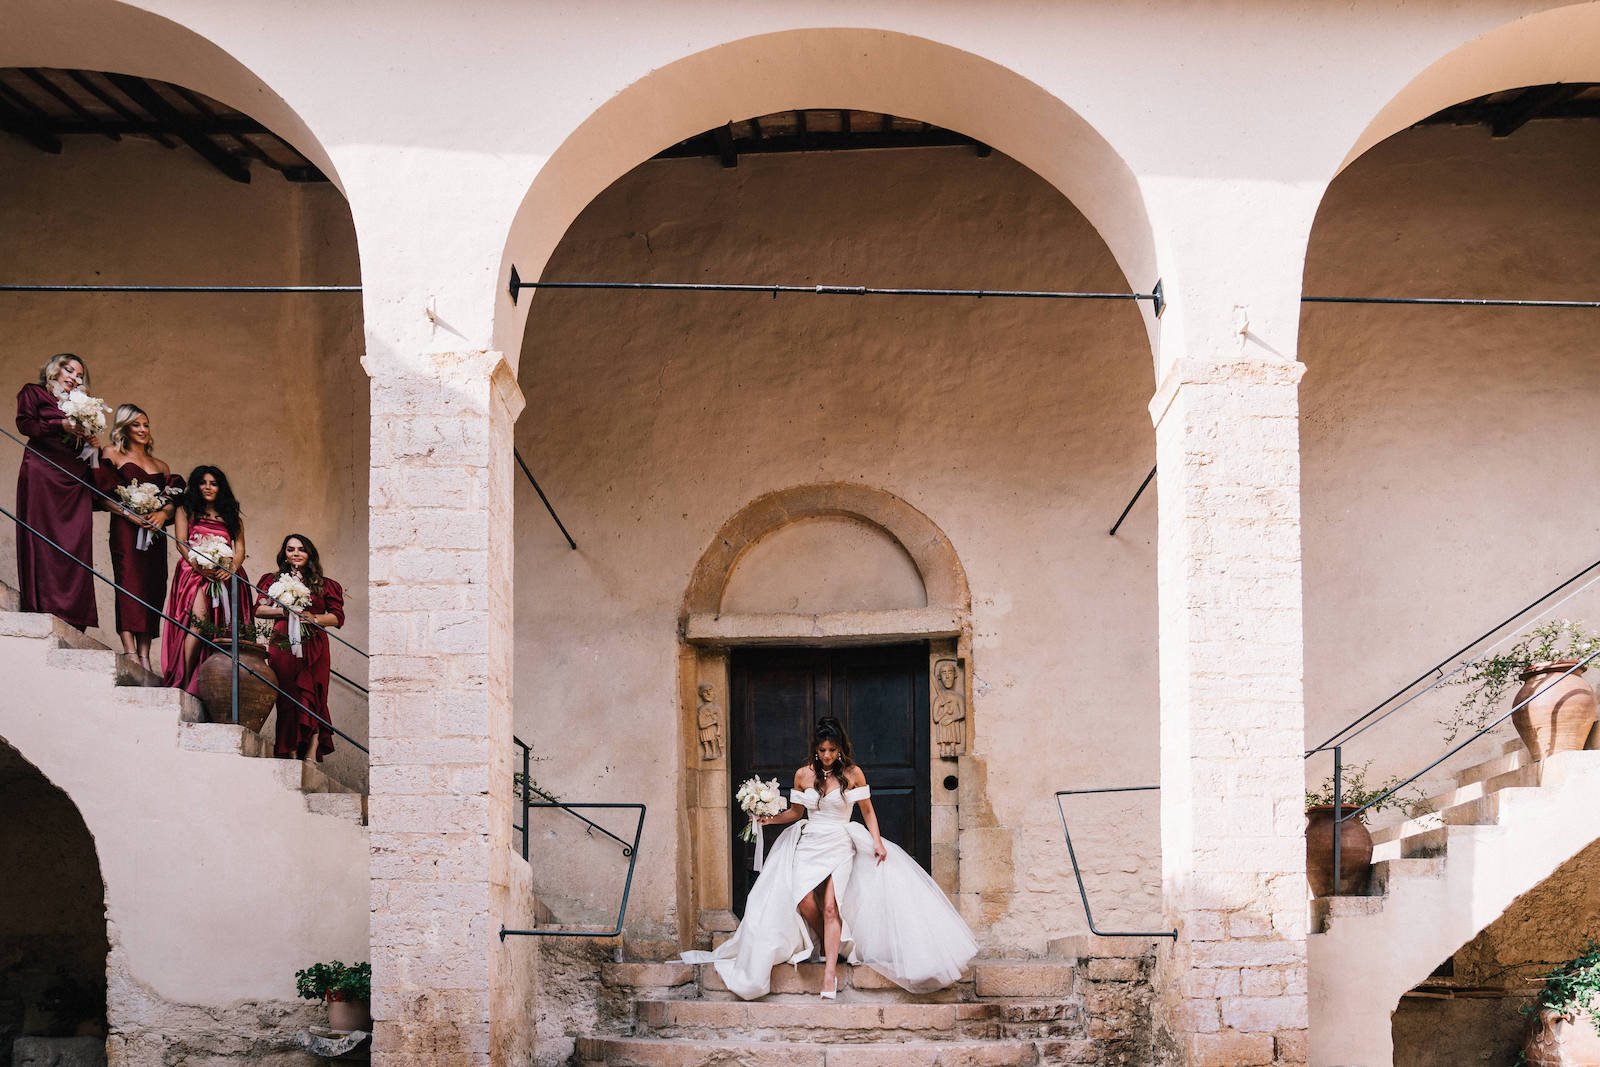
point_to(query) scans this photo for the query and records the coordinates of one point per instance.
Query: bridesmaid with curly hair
(200, 585)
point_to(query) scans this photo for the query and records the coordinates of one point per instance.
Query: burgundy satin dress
(306, 676)
(188, 585)
(60, 507)
(143, 573)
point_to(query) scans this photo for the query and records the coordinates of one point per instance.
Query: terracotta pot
(214, 683)
(349, 1015)
(1355, 852)
(1560, 717)
(1559, 1041)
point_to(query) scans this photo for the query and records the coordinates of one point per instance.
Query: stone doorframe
(707, 636)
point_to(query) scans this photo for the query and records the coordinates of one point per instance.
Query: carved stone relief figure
(949, 709)
(709, 718)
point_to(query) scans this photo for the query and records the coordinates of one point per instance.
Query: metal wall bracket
(1160, 298)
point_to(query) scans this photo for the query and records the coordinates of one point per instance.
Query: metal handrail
(1072, 853)
(232, 652)
(517, 453)
(1339, 816)
(1340, 737)
(182, 547)
(527, 785)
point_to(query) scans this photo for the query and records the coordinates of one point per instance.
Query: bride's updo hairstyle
(831, 729)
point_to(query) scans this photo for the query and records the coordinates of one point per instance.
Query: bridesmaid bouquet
(295, 596)
(209, 550)
(143, 498)
(89, 412)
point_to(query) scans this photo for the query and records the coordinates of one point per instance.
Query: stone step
(646, 975)
(1515, 754)
(122, 670)
(1527, 775)
(38, 625)
(1325, 910)
(1386, 872)
(231, 739)
(184, 707)
(1031, 979)
(10, 599)
(806, 978)
(811, 1018)
(680, 1052)
(351, 806)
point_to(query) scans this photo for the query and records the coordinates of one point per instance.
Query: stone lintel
(832, 628)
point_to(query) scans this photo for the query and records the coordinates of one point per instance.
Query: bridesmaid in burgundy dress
(207, 506)
(304, 675)
(55, 500)
(141, 571)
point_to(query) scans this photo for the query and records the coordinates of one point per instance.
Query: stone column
(446, 990)
(1232, 990)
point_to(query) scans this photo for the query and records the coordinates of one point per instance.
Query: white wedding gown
(895, 918)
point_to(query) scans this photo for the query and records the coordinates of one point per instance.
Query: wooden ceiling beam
(143, 125)
(726, 150)
(185, 126)
(1530, 104)
(18, 117)
(38, 78)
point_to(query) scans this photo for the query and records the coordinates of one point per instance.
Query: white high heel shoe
(831, 994)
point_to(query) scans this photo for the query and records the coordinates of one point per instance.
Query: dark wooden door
(880, 694)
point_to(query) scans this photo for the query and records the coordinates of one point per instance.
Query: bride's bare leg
(811, 911)
(831, 931)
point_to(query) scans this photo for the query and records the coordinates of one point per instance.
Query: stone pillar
(446, 990)
(1232, 990)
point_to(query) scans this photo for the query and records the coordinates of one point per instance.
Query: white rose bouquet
(294, 596)
(759, 799)
(89, 414)
(144, 498)
(209, 550)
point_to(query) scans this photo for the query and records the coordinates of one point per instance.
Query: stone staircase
(139, 691)
(1437, 881)
(1087, 1003)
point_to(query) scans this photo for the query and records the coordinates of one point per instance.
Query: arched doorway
(53, 944)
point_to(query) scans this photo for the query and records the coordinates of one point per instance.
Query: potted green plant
(346, 989)
(1565, 1028)
(214, 677)
(1558, 707)
(1355, 842)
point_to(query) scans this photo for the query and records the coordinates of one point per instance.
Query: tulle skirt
(895, 917)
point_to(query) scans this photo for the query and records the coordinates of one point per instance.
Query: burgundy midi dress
(57, 502)
(188, 585)
(141, 572)
(306, 676)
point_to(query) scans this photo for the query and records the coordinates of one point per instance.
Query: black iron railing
(630, 849)
(232, 648)
(1077, 872)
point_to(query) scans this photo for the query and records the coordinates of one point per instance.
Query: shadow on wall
(53, 943)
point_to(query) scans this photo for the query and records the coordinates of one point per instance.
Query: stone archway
(935, 609)
(53, 943)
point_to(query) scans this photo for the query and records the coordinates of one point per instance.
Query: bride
(833, 882)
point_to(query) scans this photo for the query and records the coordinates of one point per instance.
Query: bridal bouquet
(144, 498)
(295, 597)
(759, 799)
(89, 413)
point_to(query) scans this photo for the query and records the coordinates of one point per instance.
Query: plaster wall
(268, 387)
(824, 564)
(219, 882)
(1018, 428)
(1440, 445)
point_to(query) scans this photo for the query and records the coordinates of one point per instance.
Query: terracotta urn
(349, 1015)
(1561, 1041)
(1355, 852)
(1560, 717)
(214, 684)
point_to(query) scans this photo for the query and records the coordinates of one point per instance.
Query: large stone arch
(1560, 45)
(111, 36)
(708, 635)
(869, 69)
